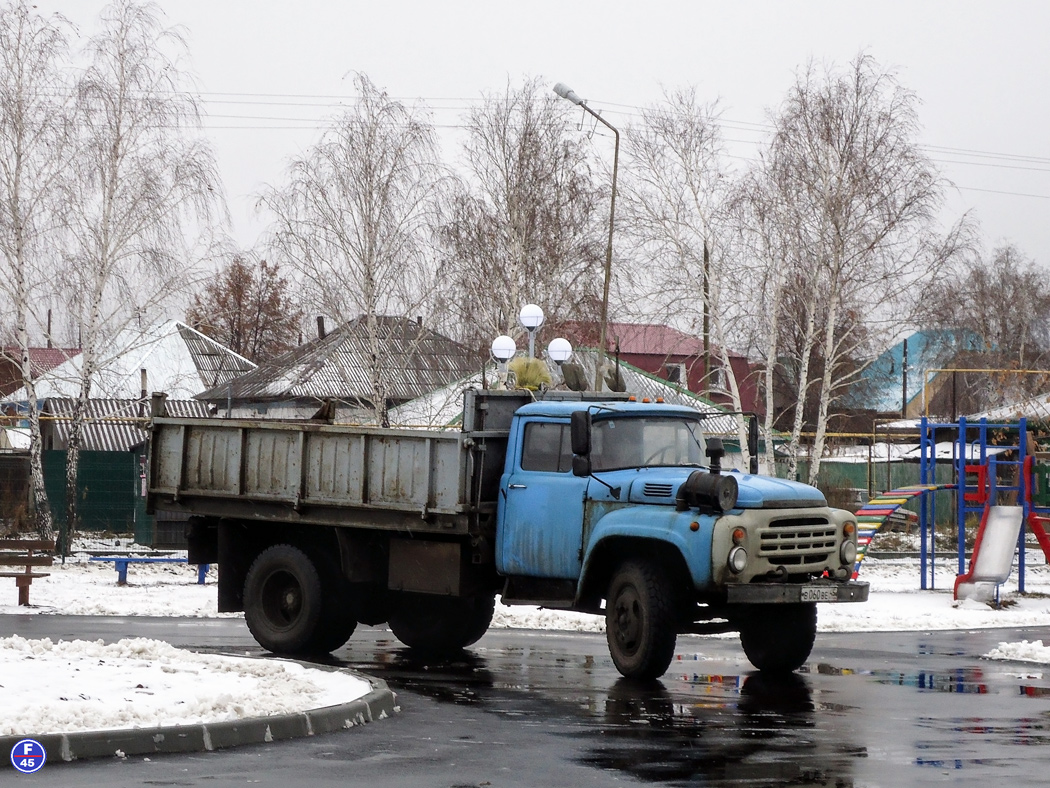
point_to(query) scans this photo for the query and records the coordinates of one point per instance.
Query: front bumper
(788, 593)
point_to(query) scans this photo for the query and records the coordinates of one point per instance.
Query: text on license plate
(823, 594)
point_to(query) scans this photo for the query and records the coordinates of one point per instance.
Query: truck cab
(595, 492)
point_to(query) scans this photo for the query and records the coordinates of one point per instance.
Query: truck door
(540, 505)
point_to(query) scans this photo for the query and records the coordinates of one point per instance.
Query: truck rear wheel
(441, 625)
(778, 638)
(640, 620)
(283, 600)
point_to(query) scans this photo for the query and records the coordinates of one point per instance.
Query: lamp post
(503, 350)
(531, 318)
(568, 94)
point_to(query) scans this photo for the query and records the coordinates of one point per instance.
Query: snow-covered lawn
(83, 587)
(143, 683)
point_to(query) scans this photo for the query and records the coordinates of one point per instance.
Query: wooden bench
(25, 553)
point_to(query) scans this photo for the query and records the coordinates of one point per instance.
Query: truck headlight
(737, 559)
(848, 552)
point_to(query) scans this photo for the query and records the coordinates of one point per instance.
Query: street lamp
(559, 350)
(531, 318)
(568, 94)
(503, 350)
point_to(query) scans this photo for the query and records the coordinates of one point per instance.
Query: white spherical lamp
(531, 317)
(503, 348)
(559, 350)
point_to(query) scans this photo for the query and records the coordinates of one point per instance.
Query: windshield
(644, 441)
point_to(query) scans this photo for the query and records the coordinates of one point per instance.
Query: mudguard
(659, 524)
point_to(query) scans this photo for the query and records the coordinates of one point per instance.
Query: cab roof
(563, 409)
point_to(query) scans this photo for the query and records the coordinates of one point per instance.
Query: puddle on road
(719, 729)
(963, 681)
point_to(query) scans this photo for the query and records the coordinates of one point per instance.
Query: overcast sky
(270, 70)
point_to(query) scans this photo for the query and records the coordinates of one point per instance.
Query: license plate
(819, 594)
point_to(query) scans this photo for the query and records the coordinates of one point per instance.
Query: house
(674, 356)
(41, 361)
(337, 366)
(928, 384)
(169, 357)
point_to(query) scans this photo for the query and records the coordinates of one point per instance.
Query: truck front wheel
(640, 620)
(778, 638)
(441, 625)
(283, 601)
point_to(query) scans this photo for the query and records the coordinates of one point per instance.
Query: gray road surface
(529, 708)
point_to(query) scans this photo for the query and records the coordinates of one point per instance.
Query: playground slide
(993, 552)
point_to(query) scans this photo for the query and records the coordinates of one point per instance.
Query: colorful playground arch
(873, 515)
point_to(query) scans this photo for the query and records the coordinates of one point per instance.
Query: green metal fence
(109, 485)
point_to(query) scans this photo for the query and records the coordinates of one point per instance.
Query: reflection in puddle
(718, 729)
(1035, 692)
(963, 681)
(1023, 732)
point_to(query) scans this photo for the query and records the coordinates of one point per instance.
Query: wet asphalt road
(548, 709)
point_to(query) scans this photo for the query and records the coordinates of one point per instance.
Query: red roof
(646, 339)
(41, 360)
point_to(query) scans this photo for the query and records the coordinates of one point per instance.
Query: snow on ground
(84, 587)
(147, 683)
(141, 683)
(1021, 652)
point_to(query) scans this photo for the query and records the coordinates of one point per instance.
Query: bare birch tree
(857, 201)
(526, 224)
(34, 149)
(1003, 301)
(144, 185)
(355, 219)
(674, 191)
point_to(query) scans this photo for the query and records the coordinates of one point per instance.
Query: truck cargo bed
(254, 468)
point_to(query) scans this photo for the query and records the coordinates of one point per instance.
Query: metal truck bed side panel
(309, 464)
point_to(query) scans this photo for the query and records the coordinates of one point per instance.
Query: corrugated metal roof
(443, 407)
(416, 360)
(216, 363)
(111, 425)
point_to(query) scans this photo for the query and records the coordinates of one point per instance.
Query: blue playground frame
(972, 497)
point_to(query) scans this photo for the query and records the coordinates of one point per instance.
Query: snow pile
(1021, 652)
(141, 683)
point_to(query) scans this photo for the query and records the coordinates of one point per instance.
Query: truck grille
(796, 541)
(657, 490)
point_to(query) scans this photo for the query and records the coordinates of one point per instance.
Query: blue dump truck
(581, 502)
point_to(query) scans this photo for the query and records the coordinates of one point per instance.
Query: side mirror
(752, 443)
(581, 434)
(581, 465)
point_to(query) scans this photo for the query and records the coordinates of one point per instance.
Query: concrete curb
(378, 704)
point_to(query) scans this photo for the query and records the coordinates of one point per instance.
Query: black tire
(283, 601)
(640, 620)
(332, 635)
(779, 638)
(440, 625)
(479, 617)
(338, 611)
